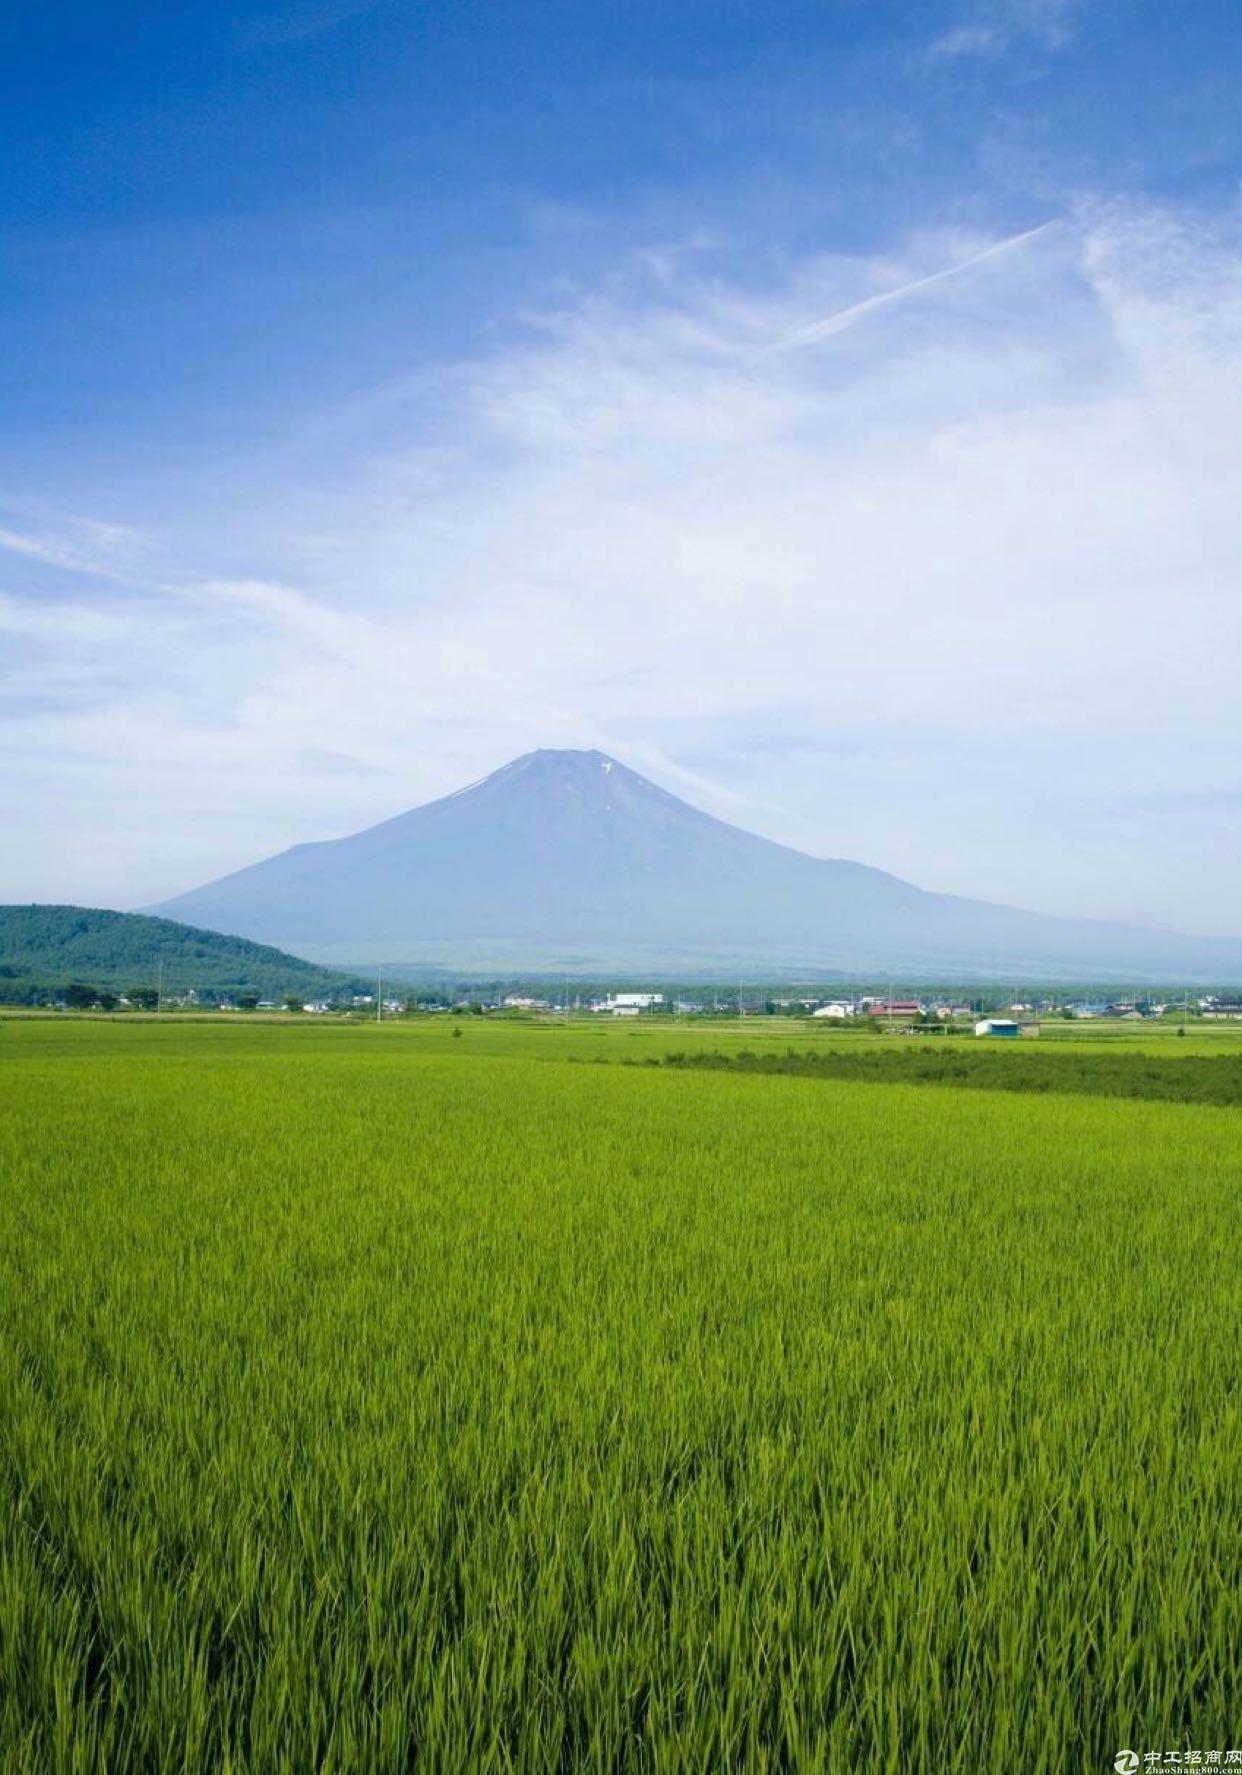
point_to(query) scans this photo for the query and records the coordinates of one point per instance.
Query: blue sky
(828, 408)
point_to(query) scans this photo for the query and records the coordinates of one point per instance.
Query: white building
(838, 1011)
(629, 1004)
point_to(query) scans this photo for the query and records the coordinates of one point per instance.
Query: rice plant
(371, 1401)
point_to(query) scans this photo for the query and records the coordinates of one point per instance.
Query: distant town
(989, 1013)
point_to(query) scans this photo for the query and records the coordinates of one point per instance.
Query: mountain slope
(46, 947)
(571, 859)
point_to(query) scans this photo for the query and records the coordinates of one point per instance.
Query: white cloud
(82, 545)
(953, 590)
(999, 25)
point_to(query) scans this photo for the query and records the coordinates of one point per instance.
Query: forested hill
(44, 949)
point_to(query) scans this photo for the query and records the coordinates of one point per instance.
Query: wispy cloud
(1002, 24)
(82, 545)
(856, 311)
(912, 596)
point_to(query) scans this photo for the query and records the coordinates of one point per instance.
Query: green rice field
(385, 1398)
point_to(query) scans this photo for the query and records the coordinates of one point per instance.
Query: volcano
(568, 860)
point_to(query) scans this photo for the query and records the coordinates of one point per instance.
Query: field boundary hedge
(1210, 1079)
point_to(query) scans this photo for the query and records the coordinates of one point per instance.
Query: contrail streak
(845, 317)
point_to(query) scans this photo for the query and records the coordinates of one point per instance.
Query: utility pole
(379, 993)
(159, 987)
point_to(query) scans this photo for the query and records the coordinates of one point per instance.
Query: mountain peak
(565, 761)
(582, 770)
(567, 855)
